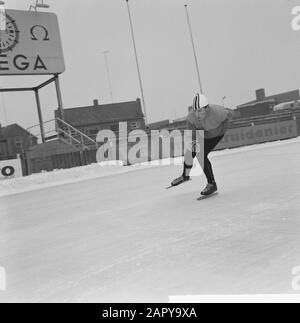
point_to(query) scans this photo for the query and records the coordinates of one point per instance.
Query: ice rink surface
(125, 238)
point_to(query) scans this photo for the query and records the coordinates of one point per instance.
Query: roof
(107, 113)
(179, 119)
(49, 148)
(10, 131)
(277, 98)
(158, 124)
(272, 100)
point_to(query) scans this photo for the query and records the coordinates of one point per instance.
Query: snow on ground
(102, 236)
(76, 174)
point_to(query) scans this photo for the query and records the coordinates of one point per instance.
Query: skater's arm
(191, 128)
(223, 127)
(225, 124)
(230, 114)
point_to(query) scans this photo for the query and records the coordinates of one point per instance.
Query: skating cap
(200, 101)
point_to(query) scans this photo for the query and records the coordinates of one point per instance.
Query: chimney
(96, 102)
(260, 94)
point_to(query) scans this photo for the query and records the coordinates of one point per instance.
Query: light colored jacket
(214, 124)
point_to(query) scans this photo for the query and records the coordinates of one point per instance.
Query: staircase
(57, 129)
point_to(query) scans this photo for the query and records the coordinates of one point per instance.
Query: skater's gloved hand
(195, 147)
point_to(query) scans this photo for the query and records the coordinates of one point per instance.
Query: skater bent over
(214, 120)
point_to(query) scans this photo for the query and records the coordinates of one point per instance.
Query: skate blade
(171, 186)
(204, 197)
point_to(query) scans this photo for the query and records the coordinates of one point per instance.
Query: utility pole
(137, 62)
(194, 50)
(105, 53)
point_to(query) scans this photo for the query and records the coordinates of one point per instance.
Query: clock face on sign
(10, 36)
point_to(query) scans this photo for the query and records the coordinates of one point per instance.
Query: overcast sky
(241, 45)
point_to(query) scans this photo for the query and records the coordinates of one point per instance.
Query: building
(264, 105)
(91, 119)
(291, 105)
(15, 140)
(159, 125)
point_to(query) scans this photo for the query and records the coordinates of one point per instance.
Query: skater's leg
(209, 145)
(188, 162)
(208, 171)
(187, 165)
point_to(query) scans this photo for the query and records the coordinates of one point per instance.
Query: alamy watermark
(139, 146)
(296, 20)
(296, 278)
(2, 279)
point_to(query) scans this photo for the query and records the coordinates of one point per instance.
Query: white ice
(115, 234)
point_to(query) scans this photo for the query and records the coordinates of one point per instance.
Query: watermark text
(296, 20)
(2, 279)
(140, 146)
(296, 278)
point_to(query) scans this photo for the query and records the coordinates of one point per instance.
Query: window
(135, 125)
(18, 142)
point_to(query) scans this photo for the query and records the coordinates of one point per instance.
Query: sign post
(30, 44)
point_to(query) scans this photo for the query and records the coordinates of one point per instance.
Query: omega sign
(30, 44)
(10, 169)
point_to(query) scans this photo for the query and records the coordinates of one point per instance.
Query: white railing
(73, 135)
(59, 129)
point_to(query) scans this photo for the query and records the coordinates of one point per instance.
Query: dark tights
(209, 145)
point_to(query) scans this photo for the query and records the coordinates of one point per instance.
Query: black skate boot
(209, 189)
(180, 180)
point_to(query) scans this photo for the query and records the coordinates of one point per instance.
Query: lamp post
(194, 50)
(105, 53)
(223, 100)
(137, 61)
